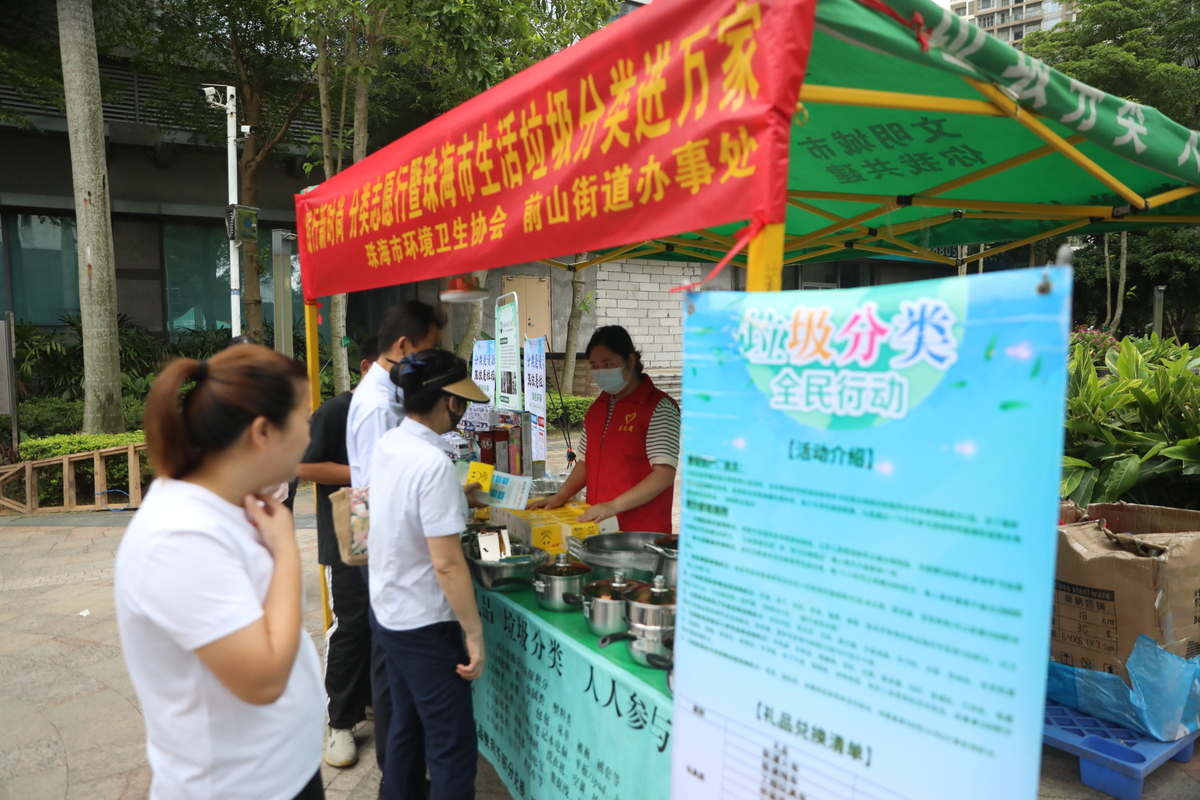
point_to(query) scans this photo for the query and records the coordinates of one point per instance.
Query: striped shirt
(662, 435)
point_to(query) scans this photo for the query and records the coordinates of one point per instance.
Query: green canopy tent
(897, 149)
(913, 130)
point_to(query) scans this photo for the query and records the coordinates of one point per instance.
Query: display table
(561, 719)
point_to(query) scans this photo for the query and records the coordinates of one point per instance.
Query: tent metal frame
(771, 249)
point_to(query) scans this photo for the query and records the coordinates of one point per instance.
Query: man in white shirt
(421, 589)
(377, 407)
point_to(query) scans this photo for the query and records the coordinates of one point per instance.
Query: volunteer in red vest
(629, 451)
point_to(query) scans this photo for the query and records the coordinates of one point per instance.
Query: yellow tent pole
(312, 349)
(687, 251)
(1170, 219)
(807, 256)
(765, 262)
(842, 224)
(550, 262)
(728, 241)
(312, 345)
(1167, 197)
(1059, 231)
(613, 256)
(1039, 129)
(956, 203)
(926, 256)
(1021, 208)
(1003, 166)
(842, 197)
(842, 96)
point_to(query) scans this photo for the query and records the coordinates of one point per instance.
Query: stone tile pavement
(70, 723)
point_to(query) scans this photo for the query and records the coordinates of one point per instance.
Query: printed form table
(561, 719)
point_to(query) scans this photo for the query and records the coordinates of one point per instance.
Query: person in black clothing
(348, 640)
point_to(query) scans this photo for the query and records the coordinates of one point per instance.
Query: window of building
(196, 256)
(45, 267)
(1031, 27)
(961, 11)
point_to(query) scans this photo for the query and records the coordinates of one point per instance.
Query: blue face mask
(612, 381)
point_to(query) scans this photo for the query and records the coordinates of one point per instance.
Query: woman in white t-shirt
(421, 589)
(208, 587)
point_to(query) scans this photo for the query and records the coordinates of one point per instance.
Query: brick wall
(636, 295)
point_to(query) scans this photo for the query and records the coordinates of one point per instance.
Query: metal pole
(1159, 291)
(281, 271)
(235, 265)
(10, 357)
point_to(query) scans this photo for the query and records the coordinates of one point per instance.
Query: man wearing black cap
(421, 591)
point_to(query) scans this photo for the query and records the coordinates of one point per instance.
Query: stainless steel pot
(651, 606)
(603, 603)
(667, 565)
(606, 553)
(509, 574)
(552, 581)
(643, 641)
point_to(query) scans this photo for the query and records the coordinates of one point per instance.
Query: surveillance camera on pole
(212, 95)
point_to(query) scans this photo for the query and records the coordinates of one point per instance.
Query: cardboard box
(1123, 571)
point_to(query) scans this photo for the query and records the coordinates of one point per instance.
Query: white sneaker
(340, 749)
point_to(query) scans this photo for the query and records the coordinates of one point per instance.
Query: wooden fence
(27, 471)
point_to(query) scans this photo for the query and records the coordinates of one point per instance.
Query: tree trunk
(93, 231)
(338, 302)
(1116, 320)
(981, 248)
(326, 109)
(1033, 254)
(962, 264)
(446, 340)
(474, 322)
(571, 346)
(1107, 286)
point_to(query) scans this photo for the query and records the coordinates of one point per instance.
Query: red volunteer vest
(616, 459)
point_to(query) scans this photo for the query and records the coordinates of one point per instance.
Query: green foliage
(1134, 435)
(1160, 256)
(567, 410)
(1143, 50)
(116, 468)
(40, 417)
(1095, 342)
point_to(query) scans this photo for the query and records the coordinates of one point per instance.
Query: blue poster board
(868, 539)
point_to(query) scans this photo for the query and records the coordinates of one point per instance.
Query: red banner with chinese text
(673, 118)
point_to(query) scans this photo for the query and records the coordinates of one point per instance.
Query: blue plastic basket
(1112, 759)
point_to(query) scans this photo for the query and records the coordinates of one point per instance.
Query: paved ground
(71, 726)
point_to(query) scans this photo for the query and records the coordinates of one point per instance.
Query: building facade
(1012, 20)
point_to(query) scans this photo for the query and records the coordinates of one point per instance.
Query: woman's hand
(475, 651)
(472, 491)
(599, 512)
(273, 521)
(553, 501)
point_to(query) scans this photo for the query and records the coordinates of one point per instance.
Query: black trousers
(433, 719)
(315, 790)
(348, 647)
(381, 692)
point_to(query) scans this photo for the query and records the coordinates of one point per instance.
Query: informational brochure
(508, 355)
(509, 491)
(870, 494)
(535, 393)
(483, 372)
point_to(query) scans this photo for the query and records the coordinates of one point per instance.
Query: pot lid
(563, 567)
(614, 588)
(654, 594)
(668, 543)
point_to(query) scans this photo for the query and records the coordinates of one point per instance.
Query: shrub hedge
(40, 417)
(50, 488)
(567, 410)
